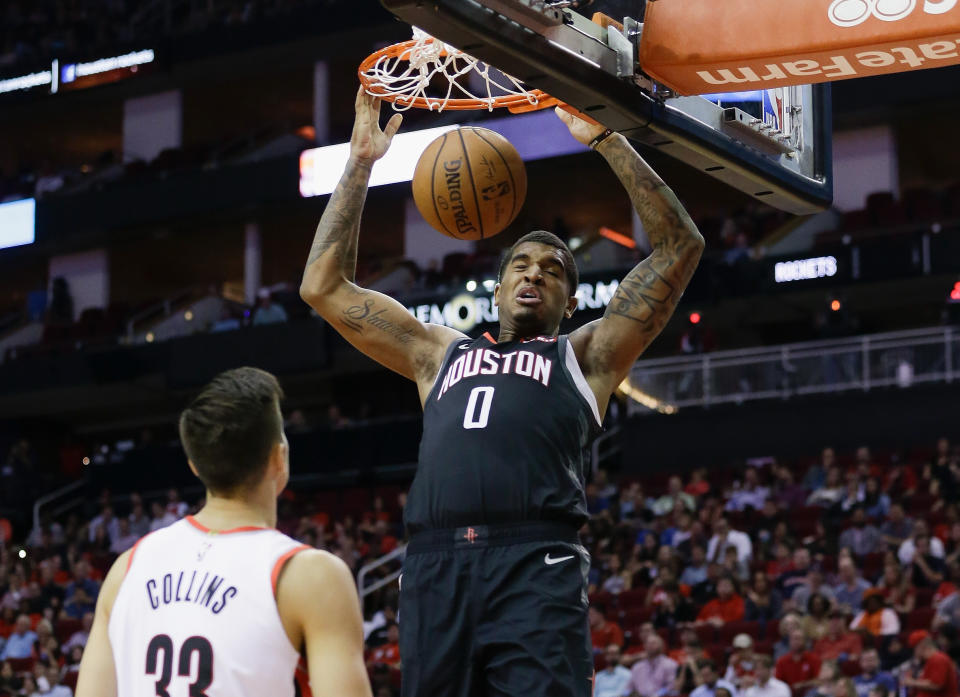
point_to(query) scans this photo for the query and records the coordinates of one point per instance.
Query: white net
(405, 78)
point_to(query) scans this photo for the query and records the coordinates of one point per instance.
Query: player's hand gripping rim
(369, 143)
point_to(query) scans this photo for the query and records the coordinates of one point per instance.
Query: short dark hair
(229, 429)
(706, 663)
(545, 237)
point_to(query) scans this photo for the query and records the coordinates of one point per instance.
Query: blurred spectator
(871, 676)
(614, 679)
(787, 493)
(603, 632)
(826, 682)
(861, 537)
(675, 493)
(724, 536)
(55, 688)
(765, 684)
(814, 586)
(876, 503)
(81, 594)
(698, 485)
(816, 474)
(763, 602)
(79, 637)
(161, 517)
(938, 676)
(742, 666)
(619, 578)
(726, 607)
(174, 505)
(897, 590)
(901, 480)
(830, 492)
(839, 643)
(909, 546)
(10, 682)
(107, 521)
(20, 642)
(749, 493)
(817, 619)
(799, 667)
(796, 576)
(851, 587)
(696, 570)
(711, 682)
(388, 653)
(897, 528)
(125, 538)
(139, 522)
(876, 619)
(927, 568)
(654, 673)
(267, 311)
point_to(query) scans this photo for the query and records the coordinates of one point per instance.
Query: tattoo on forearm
(340, 224)
(664, 218)
(356, 316)
(650, 292)
(644, 291)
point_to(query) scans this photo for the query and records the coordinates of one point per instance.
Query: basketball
(470, 183)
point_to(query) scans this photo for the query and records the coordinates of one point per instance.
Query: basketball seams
(433, 185)
(473, 182)
(515, 208)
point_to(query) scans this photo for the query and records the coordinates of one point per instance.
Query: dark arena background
(794, 428)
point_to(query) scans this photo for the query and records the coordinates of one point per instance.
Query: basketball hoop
(402, 74)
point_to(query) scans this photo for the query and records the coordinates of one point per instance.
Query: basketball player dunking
(222, 604)
(493, 595)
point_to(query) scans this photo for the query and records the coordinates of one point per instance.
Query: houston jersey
(504, 432)
(196, 615)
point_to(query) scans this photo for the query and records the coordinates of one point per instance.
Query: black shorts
(496, 611)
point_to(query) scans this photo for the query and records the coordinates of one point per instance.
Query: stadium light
(695, 318)
(835, 305)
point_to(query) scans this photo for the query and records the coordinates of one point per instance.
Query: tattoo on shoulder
(358, 317)
(643, 291)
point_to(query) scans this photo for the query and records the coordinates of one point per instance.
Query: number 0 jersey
(196, 615)
(504, 432)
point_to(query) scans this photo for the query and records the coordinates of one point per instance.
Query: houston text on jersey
(487, 362)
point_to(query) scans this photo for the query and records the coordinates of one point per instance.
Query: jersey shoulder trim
(456, 343)
(579, 381)
(133, 551)
(203, 528)
(489, 337)
(281, 562)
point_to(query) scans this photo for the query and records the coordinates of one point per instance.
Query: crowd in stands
(833, 578)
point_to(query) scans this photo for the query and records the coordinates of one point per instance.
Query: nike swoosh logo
(550, 561)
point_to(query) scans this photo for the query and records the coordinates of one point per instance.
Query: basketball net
(404, 73)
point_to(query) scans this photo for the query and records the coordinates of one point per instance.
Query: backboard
(772, 144)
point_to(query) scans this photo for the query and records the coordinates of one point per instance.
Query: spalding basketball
(470, 183)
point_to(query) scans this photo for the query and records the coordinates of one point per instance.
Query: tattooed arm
(376, 324)
(647, 296)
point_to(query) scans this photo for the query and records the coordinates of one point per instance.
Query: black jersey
(505, 428)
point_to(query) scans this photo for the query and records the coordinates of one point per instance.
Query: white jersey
(196, 615)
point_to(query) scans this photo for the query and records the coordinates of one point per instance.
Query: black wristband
(595, 143)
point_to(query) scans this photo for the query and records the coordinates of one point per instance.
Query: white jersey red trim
(198, 607)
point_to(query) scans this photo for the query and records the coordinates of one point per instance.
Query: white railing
(894, 359)
(53, 496)
(363, 588)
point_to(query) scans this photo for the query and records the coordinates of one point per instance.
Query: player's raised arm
(375, 323)
(318, 603)
(647, 296)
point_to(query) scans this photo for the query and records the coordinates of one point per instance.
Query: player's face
(533, 295)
